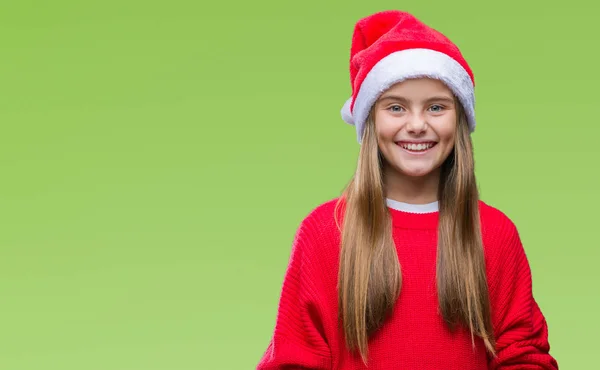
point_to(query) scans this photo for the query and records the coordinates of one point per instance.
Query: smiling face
(415, 125)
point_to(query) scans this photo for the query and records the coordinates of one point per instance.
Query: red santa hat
(392, 46)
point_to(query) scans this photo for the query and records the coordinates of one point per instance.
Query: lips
(416, 146)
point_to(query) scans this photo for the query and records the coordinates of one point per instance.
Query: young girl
(408, 269)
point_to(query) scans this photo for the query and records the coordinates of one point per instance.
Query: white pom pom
(346, 113)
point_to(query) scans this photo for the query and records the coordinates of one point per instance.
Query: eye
(436, 108)
(395, 108)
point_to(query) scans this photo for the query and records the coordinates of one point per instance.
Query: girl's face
(415, 124)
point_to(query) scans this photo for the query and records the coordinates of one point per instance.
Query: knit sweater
(307, 334)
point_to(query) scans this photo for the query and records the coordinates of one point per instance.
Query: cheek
(385, 136)
(386, 130)
(449, 138)
(447, 132)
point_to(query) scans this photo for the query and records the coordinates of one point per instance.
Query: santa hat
(392, 46)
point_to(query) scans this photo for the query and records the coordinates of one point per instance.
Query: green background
(157, 158)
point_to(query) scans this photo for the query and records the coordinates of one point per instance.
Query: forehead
(419, 88)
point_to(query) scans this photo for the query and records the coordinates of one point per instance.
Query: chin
(417, 173)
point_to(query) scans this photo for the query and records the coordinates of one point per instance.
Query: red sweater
(307, 335)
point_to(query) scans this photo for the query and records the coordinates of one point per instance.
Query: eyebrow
(403, 99)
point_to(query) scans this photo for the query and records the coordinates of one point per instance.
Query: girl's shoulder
(498, 230)
(325, 208)
(491, 215)
(317, 236)
(324, 216)
(321, 219)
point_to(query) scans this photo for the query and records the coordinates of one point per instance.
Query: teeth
(417, 147)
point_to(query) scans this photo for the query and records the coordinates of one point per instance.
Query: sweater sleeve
(298, 341)
(520, 327)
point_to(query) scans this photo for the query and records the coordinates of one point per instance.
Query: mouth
(416, 148)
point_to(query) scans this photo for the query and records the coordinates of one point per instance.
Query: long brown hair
(370, 275)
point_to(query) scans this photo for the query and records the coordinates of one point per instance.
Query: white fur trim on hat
(406, 64)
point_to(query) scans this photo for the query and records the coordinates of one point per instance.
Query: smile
(416, 147)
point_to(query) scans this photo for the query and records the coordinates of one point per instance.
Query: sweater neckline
(412, 208)
(413, 216)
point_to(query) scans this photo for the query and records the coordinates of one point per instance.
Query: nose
(417, 124)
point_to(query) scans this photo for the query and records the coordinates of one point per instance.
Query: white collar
(413, 208)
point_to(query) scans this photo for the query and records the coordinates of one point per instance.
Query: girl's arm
(298, 340)
(520, 327)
